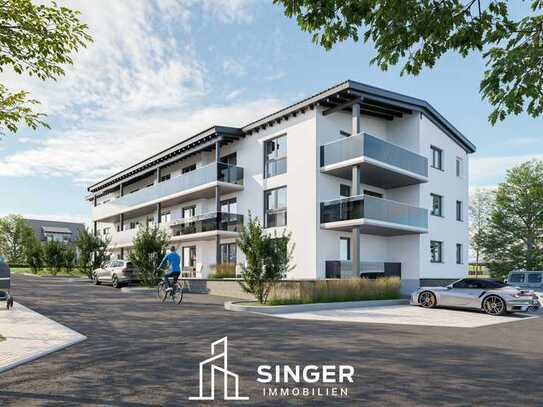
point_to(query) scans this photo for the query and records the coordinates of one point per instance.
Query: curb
(137, 290)
(288, 309)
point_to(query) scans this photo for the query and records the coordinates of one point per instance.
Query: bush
(34, 255)
(54, 256)
(225, 270)
(69, 258)
(353, 289)
(92, 252)
(150, 244)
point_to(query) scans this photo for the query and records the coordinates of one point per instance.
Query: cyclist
(173, 259)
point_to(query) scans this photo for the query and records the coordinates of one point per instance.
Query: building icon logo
(212, 366)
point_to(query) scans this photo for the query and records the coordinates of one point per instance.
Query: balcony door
(188, 257)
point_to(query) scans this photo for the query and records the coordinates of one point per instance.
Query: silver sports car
(490, 296)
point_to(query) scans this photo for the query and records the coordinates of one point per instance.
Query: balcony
(382, 164)
(196, 184)
(207, 226)
(375, 216)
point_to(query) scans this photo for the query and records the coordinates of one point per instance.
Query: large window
(275, 156)
(228, 253)
(231, 159)
(165, 217)
(437, 205)
(275, 207)
(229, 206)
(437, 158)
(189, 256)
(459, 211)
(344, 248)
(344, 190)
(436, 251)
(459, 253)
(189, 211)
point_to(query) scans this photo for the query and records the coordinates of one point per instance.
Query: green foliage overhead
(417, 33)
(92, 252)
(514, 236)
(268, 259)
(37, 40)
(15, 236)
(149, 247)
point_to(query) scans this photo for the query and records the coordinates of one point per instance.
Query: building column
(218, 206)
(121, 221)
(122, 253)
(158, 210)
(95, 228)
(121, 189)
(355, 190)
(157, 175)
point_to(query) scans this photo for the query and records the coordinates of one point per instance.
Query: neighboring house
(368, 181)
(46, 230)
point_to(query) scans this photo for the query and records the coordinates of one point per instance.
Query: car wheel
(95, 278)
(427, 299)
(115, 281)
(494, 305)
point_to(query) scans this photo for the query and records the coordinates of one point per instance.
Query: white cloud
(137, 89)
(233, 67)
(488, 171)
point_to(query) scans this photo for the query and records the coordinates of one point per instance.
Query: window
(372, 193)
(230, 159)
(189, 211)
(437, 205)
(344, 248)
(436, 251)
(275, 207)
(229, 206)
(165, 177)
(437, 158)
(516, 278)
(134, 225)
(106, 231)
(275, 156)
(344, 133)
(188, 169)
(459, 167)
(534, 278)
(459, 254)
(165, 217)
(344, 190)
(189, 256)
(228, 253)
(150, 221)
(459, 211)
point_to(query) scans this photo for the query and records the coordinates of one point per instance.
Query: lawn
(76, 272)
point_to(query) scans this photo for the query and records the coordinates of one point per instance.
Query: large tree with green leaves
(480, 208)
(416, 33)
(514, 237)
(37, 40)
(92, 252)
(149, 247)
(15, 236)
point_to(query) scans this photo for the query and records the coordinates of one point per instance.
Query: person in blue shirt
(174, 261)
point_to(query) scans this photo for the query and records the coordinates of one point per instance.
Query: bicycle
(176, 293)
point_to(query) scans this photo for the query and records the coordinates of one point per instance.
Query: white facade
(398, 232)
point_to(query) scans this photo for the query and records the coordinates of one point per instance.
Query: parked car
(491, 296)
(116, 273)
(532, 280)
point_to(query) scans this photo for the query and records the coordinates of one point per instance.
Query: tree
(34, 254)
(14, 237)
(417, 33)
(92, 252)
(149, 247)
(268, 259)
(514, 238)
(69, 257)
(480, 207)
(53, 253)
(37, 40)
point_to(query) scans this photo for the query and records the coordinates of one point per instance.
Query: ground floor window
(459, 254)
(344, 248)
(436, 251)
(189, 256)
(228, 253)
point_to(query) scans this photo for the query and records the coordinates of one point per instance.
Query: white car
(116, 273)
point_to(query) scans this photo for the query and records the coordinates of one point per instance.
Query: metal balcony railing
(208, 222)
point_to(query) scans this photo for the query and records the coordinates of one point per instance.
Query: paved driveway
(141, 353)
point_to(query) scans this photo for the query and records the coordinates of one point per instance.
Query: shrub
(92, 252)
(69, 258)
(149, 247)
(34, 255)
(352, 289)
(54, 256)
(225, 270)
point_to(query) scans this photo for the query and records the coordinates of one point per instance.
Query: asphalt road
(143, 353)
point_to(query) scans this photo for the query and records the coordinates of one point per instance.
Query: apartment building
(368, 181)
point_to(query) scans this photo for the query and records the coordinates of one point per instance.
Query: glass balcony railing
(210, 173)
(378, 209)
(344, 269)
(352, 147)
(208, 222)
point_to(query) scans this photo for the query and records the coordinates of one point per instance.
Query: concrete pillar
(218, 206)
(121, 221)
(355, 190)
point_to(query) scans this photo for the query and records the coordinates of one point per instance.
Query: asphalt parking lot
(143, 353)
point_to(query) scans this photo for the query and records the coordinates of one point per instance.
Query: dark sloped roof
(40, 226)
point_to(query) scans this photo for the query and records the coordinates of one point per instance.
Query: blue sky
(162, 70)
